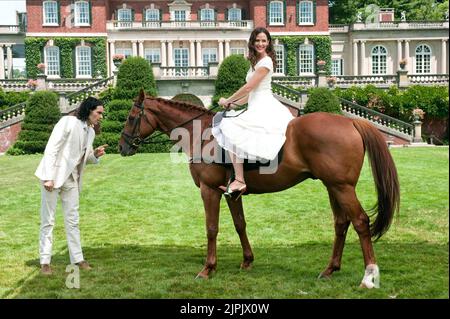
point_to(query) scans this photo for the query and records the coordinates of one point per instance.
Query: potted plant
(402, 64)
(321, 65)
(331, 81)
(418, 114)
(117, 59)
(32, 84)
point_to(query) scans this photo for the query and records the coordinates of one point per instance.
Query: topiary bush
(8, 99)
(135, 73)
(41, 115)
(322, 100)
(231, 76)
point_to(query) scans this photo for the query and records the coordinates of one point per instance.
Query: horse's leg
(237, 212)
(211, 201)
(341, 223)
(345, 196)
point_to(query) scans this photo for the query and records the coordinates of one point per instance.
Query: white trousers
(70, 203)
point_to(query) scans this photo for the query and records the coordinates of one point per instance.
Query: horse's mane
(184, 105)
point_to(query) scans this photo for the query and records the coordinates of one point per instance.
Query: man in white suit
(60, 171)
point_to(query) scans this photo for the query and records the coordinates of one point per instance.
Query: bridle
(135, 139)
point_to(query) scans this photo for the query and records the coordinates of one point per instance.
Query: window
(127, 52)
(180, 15)
(209, 55)
(52, 61)
(336, 67)
(51, 15)
(279, 50)
(240, 51)
(152, 15)
(83, 56)
(234, 14)
(379, 57)
(423, 59)
(124, 15)
(153, 55)
(207, 15)
(306, 59)
(305, 14)
(276, 15)
(82, 13)
(181, 61)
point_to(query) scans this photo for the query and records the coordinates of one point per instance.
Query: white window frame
(50, 61)
(152, 55)
(379, 55)
(45, 7)
(150, 15)
(306, 17)
(234, 14)
(306, 59)
(280, 53)
(336, 67)
(274, 19)
(120, 13)
(127, 52)
(183, 63)
(83, 74)
(241, 51)
(77, 12)
(177, 14)
(423, 59)
(206, 11)
(208, 53)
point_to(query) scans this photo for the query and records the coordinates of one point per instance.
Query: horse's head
(141, 123)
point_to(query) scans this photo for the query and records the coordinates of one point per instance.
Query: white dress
(259, 132)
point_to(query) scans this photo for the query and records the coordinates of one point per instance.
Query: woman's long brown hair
(253, 54)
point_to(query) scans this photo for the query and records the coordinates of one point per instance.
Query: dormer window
(207, 15)
(179, 15)
(124, 15)
(234, 14)
(152, 15)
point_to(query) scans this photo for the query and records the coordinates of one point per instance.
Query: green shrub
(433, 100)
(107, 95)
(322, 100)
(135, 74)
(231, 76)
(8, 99)
(41, 114)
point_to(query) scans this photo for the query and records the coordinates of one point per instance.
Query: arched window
(234, 14)
(276, 13)
(52, 61)
(152, 15)
(379, 58)
(82, 14)
(306, 59)
(423, 59)
(207, 15)
(305, 12)
(124, 15)
(279, 50)
(83, 61)
(50, 12)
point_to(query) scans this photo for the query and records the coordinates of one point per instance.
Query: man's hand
(100, 151)
(48, 185)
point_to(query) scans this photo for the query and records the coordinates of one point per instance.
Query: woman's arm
(245, 90)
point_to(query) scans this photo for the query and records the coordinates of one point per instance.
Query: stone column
(170, 61)
(163, 53)
(363, 58)
(408, 61)
(112, 51)
(134, 47)
(220, 51)
(2, 62)
(444, 56)
(191, 53)
(355, 58)
(141, 48)
(199, 53)
(10, 62)
(227, 48)
(399, 52)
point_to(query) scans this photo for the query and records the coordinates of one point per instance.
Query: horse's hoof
(246, 266)
(324, 275)
(368, 285)
(201, 275)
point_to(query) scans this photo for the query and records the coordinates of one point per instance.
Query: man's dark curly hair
(85, 108)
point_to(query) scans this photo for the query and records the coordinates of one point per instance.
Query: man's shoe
(46, 270)
(84, 265)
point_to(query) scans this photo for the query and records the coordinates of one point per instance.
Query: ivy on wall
(34, 54)
(322, 51)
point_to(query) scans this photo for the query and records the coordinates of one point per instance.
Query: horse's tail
(385, 176)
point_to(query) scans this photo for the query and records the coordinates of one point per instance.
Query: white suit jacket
(64, 149)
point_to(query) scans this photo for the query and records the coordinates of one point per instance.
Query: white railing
(14, 85)
(120, 25)
(296, 81)
(10, 29)
(361, 80)
(338, 28)
(395, 25)
(69, 85)
(179, 72)
(429, 79)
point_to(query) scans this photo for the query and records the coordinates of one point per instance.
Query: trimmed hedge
(41, 114)
(322, 100)
(8, 99)
(135, 73)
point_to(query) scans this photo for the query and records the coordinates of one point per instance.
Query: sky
(8, 10)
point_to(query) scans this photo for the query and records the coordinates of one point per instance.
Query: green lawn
(142, 226)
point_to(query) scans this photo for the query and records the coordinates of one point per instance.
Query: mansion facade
(183, 38)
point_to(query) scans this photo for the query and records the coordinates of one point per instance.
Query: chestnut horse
(321, 146)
